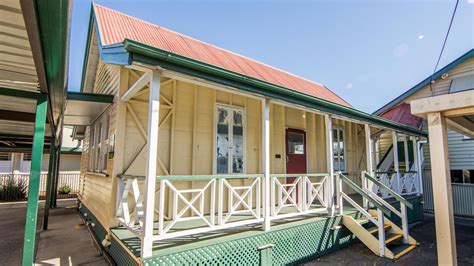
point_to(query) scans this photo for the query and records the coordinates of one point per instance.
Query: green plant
(13, 189)
(64, 189)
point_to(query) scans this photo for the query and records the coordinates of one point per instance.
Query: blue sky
(368, 52)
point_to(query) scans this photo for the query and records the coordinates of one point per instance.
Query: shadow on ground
(425, 254)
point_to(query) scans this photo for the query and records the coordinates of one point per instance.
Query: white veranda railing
(403, 183)
(293, 195)
(188, 205)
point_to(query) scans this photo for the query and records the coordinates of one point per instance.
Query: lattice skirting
(284, 246)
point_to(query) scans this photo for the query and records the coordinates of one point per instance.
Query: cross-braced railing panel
(204, 205)
(404, 183)
(293, 195)
(130, 215)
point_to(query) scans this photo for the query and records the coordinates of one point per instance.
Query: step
(392, 237)
(400, 250)
(375, 229)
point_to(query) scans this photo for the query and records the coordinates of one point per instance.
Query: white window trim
(214, 144)
(95, 164)
(340, 129)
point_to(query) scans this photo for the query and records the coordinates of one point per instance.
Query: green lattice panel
(291, 246)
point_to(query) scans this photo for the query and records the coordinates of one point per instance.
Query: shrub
(64, 189)
(13, 189)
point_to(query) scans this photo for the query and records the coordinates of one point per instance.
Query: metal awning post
(49, 182)
(34, 182)
(56, 171)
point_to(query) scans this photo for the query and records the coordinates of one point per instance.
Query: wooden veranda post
(443, 201)
(369, 158)
(266, 161)
(330, 164)
(152, 151)
(395, 161)
(34, 182)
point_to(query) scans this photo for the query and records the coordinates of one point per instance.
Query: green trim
(393, 193)
(53, 20)
(150, 55)
(34, 182)
(20, 93)
(71, 149)
(297, 175)
(425, 82)
(89, 97)
(49, 184)
(364, 194)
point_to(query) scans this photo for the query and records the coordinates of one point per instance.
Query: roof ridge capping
(467, 55)
(321, 86)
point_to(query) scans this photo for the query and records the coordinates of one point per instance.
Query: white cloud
(400, 50)
(420, 37)
(349, 86)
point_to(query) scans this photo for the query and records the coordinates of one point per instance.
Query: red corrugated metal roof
(115, 27)
(402, 114)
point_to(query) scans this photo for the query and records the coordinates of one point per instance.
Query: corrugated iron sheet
(463, 196)
(402, 114)
(115, 27)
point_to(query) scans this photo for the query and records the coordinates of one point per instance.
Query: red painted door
(295, 152)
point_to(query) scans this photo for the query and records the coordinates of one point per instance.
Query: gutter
(139, 52)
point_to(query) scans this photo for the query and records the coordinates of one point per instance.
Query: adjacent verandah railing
(218, 202)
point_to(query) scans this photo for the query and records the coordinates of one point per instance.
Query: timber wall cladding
(96, 189)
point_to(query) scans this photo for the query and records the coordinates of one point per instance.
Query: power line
(444, 44)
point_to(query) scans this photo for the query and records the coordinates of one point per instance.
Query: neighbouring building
(454, 78)
(71, 150)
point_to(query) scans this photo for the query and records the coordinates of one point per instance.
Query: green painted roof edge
(54, 26)
(89, 97)
(186, 65)
(425, 82)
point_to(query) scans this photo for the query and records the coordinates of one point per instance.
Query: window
(5, 156)
(230, 140)
(465, 176)
(339, 149)
(295, 143)
(98, 144)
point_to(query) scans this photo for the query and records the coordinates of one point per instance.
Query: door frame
(301, 131)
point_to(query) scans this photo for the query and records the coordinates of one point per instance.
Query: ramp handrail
(403, 202)
(343, 196)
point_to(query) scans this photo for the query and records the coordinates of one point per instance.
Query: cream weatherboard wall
(187, 133)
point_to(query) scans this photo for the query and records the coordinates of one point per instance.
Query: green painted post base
(33, 185)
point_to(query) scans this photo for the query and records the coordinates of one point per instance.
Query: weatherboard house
(209, 157)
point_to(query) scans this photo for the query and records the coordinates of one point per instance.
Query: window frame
(99, 144)
(229, 108)
(339, 129)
